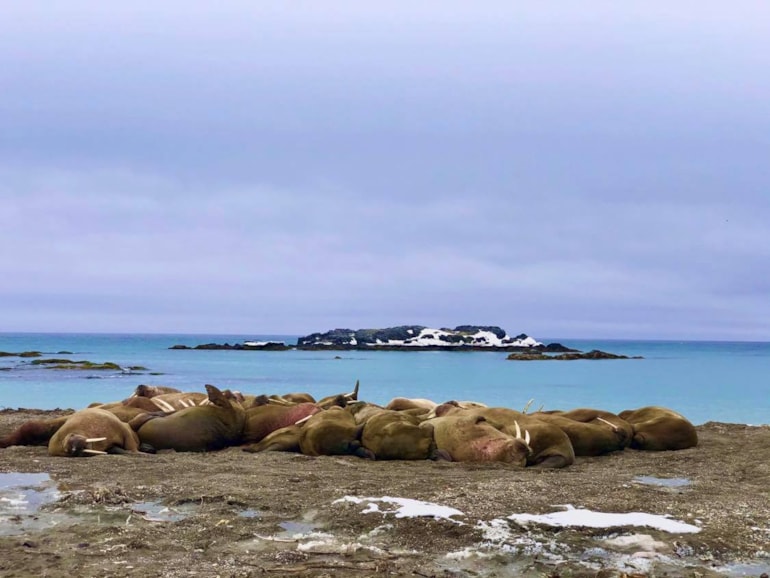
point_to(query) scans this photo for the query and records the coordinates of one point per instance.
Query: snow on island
(419, 337)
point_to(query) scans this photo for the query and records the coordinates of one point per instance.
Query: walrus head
(76, 445)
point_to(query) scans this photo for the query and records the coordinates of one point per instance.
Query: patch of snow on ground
(580, 517)
(406, 508)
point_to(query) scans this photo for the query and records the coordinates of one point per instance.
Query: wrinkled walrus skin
(550, 446)
(110, 435)
(332, 432)
(660, 429)
(392, 435)
(262, 420)
(210, 427)
(471, 438)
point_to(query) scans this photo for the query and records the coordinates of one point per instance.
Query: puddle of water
(249, 514)
(21, 497)
(745, 569)
(157, 512)
(26, 493)
(296, 529)
(665, 482)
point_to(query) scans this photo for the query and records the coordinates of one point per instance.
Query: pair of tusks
(526, 437)
(529, 403)
(609, 423)
(166, 407)
(94, 452)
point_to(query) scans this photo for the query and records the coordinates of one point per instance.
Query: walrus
(659, 428)
(393, 435)
(125, 412)
(623, 430)
(588, 438)
(92, 431)
(404, 403)
(332, 432)
(33, 432)
(341, 399)
(471, 438)
(550, 446)
(153, 390)
(209, 427)
(265, 419)
(285, 439)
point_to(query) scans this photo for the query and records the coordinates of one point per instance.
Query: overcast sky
(563, 169)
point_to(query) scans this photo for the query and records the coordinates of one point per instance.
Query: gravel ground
(237, 514)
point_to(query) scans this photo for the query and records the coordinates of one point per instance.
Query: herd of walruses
(156, 418)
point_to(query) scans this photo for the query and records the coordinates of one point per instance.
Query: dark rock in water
(539, 356)
(22, 354)
(556, 348)
(60, 363)
(245, 346)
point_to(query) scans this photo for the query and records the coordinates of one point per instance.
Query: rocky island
(421, 338)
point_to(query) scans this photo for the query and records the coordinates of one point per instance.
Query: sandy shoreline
(279, 514)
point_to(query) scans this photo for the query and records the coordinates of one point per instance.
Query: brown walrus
(33, 432)
(285, 439)
(471, 438)
(333, 431)
(589, 438)
(394, 435)
(153, 390)
(265, 419)
(404, 403)
(660, 428)
(213, 426)
(550, 446)
(623, 430)
(92, 431)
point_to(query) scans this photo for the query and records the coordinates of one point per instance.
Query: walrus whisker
(609, 423)
(94, 440)
(94, 452)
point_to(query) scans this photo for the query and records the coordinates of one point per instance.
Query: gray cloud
(557, 171)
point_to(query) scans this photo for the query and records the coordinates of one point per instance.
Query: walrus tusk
(94, 452)
(163, 405)
(526, 437)
(94, 440)
(518, 430)
(353, 394)
(609, 423)
(304, 419)
(526, 407)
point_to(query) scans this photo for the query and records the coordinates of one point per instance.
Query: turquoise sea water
(724, 381)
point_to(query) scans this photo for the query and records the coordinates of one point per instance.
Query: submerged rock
(540, 356)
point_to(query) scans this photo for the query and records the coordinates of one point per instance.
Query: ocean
(703, 380)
